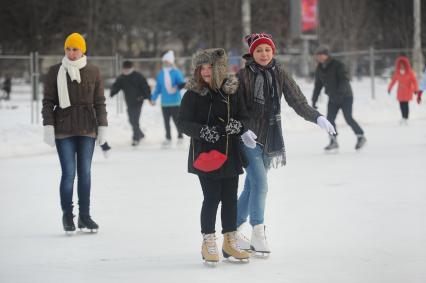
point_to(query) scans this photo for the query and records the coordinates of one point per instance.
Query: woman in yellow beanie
(74, 117)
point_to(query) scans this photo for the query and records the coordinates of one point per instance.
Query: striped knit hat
(255, 39)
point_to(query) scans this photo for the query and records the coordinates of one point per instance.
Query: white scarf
(73, 69)
(168, 81)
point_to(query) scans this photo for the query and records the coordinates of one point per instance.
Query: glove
(249, 139)
(49, 135)
(102, 135)
(326, 125)
(234, 127)
(419, 96)
(209, 134)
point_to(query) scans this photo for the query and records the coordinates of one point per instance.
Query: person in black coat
(212, 114)
(7, 87)
(136, 89)
(332, 74)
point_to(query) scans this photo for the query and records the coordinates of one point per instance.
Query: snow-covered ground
(350, 217)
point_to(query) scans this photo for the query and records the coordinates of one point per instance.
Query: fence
(30, 70)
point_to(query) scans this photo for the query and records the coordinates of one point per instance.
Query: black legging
(215, 191)
(134, 112)
(405, 110)
(346, 106)
(170, 112)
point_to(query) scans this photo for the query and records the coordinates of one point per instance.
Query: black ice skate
(85, 221)
(68, 222)
(360, 142)
(333, 146)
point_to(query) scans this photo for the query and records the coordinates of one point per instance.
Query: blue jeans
(253, 197)
(72, 151)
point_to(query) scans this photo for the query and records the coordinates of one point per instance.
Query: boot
(68, 222)
(360, 142)
(209, 250)
(85, 221)
(333, 145)
(231, 248)
(242, 241)
(258, 240)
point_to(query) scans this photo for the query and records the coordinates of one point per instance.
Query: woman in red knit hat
(263, 81)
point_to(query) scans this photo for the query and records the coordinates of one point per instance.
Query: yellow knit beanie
(75, 40)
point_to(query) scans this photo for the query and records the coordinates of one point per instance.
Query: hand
(234, 127)
(49, 135)
(152, 102)
(419, 96)
(249, 139)
(102, 135)
(209, 134)
(326, 125)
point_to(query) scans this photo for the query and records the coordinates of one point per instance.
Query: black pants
(404, 109)
(170, 112)
(215, 191)
(346, 106)
(134, 112)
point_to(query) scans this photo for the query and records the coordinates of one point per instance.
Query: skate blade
(234, 260)
(210, 263)
(88, 231)
(262, 255)
(331, 151)
(69, 233)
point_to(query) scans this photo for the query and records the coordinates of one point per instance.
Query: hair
(198, 78)
(127, 65)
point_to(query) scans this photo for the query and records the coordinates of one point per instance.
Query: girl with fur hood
(211, 114)
(263, 81)
(407, 85)
(74, 117)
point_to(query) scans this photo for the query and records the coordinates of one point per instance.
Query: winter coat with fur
(87, 110)
(194, 113)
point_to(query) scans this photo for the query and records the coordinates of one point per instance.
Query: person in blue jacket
(422, 88)
(169, 83)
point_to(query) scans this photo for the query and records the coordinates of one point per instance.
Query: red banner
(309, 15)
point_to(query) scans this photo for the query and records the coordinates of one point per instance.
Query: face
(263, 54)
(321, 58)
(402, 69)
(73, 53)
(206, 73)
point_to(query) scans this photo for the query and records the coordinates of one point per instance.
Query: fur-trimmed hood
(218, 59)
(229, 86)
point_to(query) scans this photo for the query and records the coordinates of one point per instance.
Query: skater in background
(407, 85)
(136, 89)
(422, 88)
(7, 86)
(74, 117)
(332, 74)
(169, 83)
(263, 82)
(211, 114)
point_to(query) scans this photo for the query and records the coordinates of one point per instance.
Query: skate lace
(210, 241)
(232, 239)
(242, 237)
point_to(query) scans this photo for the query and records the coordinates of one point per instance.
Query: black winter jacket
(134, 86)
(332, 75)
(194, 113)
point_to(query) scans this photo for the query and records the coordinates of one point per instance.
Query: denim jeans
(75, 152)
(253, 197)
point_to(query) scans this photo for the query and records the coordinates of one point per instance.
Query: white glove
(249, 139)
(49, 135)
(326, 125)
(102, 135)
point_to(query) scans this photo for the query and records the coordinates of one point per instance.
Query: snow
(346, 217)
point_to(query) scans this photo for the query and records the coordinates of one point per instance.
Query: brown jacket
(258, 122)
(87, 110)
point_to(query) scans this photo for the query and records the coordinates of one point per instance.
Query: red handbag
(210, 161)
(214, 159)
